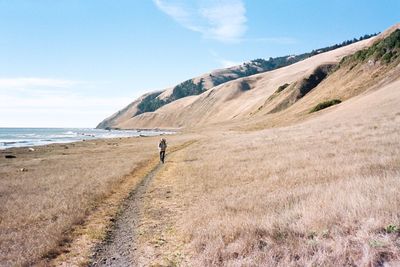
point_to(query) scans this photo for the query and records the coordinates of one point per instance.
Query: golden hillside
(255, 98)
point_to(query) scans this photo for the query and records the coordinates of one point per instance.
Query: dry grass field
(255, 185)
(321, 193)
(60, 187)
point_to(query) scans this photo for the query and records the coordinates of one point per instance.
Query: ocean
(26, 137)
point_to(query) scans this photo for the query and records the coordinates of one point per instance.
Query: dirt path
(118, 249)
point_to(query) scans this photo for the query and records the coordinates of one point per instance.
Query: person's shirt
(162, 145)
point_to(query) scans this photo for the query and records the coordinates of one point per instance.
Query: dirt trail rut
(118, 249)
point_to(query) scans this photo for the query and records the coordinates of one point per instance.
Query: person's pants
(162, 156)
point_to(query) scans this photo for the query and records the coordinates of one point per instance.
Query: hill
(151, 102)
(277, 97)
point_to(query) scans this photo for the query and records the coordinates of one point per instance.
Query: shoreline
(141, 129)
(78, 136)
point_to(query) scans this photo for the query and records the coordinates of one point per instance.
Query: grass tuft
(391, 228)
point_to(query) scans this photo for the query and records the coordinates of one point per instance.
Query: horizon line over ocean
(27, 137)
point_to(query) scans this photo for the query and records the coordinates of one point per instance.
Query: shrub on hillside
(187, 88)
(391, 228)
(282, 87)
(326, 104)
(149, 103)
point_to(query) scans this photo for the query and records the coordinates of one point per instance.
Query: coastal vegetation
(326, 104)
(282, 87)
(187, 88)
(386, 50)
(152, 102)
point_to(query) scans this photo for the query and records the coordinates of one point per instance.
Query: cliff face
(267, 98)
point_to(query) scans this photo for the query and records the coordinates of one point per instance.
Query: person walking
(162, 146)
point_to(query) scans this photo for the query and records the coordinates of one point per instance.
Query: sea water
(25, 137)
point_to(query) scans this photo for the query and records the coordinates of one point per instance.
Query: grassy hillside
(152, 102)
(275, 98)
(320, 193)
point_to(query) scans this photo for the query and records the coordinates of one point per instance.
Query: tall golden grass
(321, 193)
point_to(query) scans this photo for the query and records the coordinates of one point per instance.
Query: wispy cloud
(223, 20)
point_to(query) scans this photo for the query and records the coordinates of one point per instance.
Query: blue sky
(70, 63)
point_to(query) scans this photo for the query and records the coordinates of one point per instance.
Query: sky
(71, 63)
